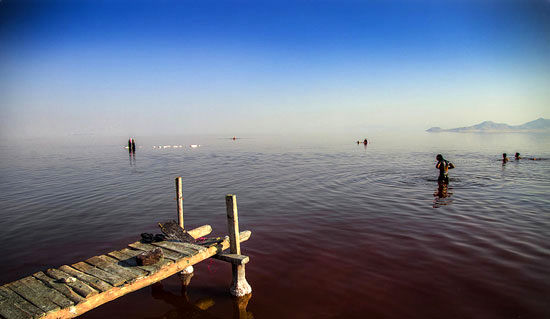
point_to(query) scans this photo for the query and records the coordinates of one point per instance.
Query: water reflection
(184, 308)
(132, 158)
(442, 195)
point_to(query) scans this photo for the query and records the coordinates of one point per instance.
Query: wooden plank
(61, 287)
(52, 294)
(111, 266)
(126, 266)
(128, 257)
(232, 258)
(192, 246)
(77, 285)
(34, 294)
(200, 231)
(112, 279)
(178, 247)
(173, 255)
(210, 241)
(10, 311)
(91, 281)
(16, 304)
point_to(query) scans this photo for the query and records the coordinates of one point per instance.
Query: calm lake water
(338, 230)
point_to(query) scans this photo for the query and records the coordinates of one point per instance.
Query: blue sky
(247, 67)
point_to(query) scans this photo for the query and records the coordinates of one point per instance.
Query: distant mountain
(538, 125)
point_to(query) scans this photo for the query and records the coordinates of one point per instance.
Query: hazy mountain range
(538, 125)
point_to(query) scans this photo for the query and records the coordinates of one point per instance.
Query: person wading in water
(443, 165)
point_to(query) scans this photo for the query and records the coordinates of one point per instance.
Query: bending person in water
(443, 165)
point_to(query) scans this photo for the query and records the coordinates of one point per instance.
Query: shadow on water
(442, 195)
(184, 308)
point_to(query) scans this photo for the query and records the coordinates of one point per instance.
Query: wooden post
(188, 272)
(179, 197)
(239, 285)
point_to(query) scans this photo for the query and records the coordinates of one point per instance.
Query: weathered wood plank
(192, 246)
(200, 231)
(210, 241)
(76, 284)
(182, 248)
(52, 294)
(112, 279)
(128, 257)
(129, 260)
(91, 281)
(14, 306)
(10, 311)
(61, 287)
(34, 294)
(232, 258)
(173, 255)
(111, 266)
(135, 270)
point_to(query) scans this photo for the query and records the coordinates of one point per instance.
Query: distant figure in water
(504, 158)
(365, 142)
(234, 138)
(517, 157)
(131, 145)
(358, 142)
(443, 165)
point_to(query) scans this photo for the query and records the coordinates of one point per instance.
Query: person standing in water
(133, 145)
(443, 165)
(517, 157)
(504, 158)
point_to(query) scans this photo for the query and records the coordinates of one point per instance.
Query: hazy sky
(246, 67)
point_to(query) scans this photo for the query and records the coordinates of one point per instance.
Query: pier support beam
(186, 275)
(239, 285)
(188, 272)
(179, 197)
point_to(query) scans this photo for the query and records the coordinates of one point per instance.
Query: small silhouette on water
(517, 157)
(443, 166)
(504, 158)
(131, 145)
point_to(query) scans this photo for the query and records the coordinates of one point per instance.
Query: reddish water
(338, 231)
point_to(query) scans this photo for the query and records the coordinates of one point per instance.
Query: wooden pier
(71, 290)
